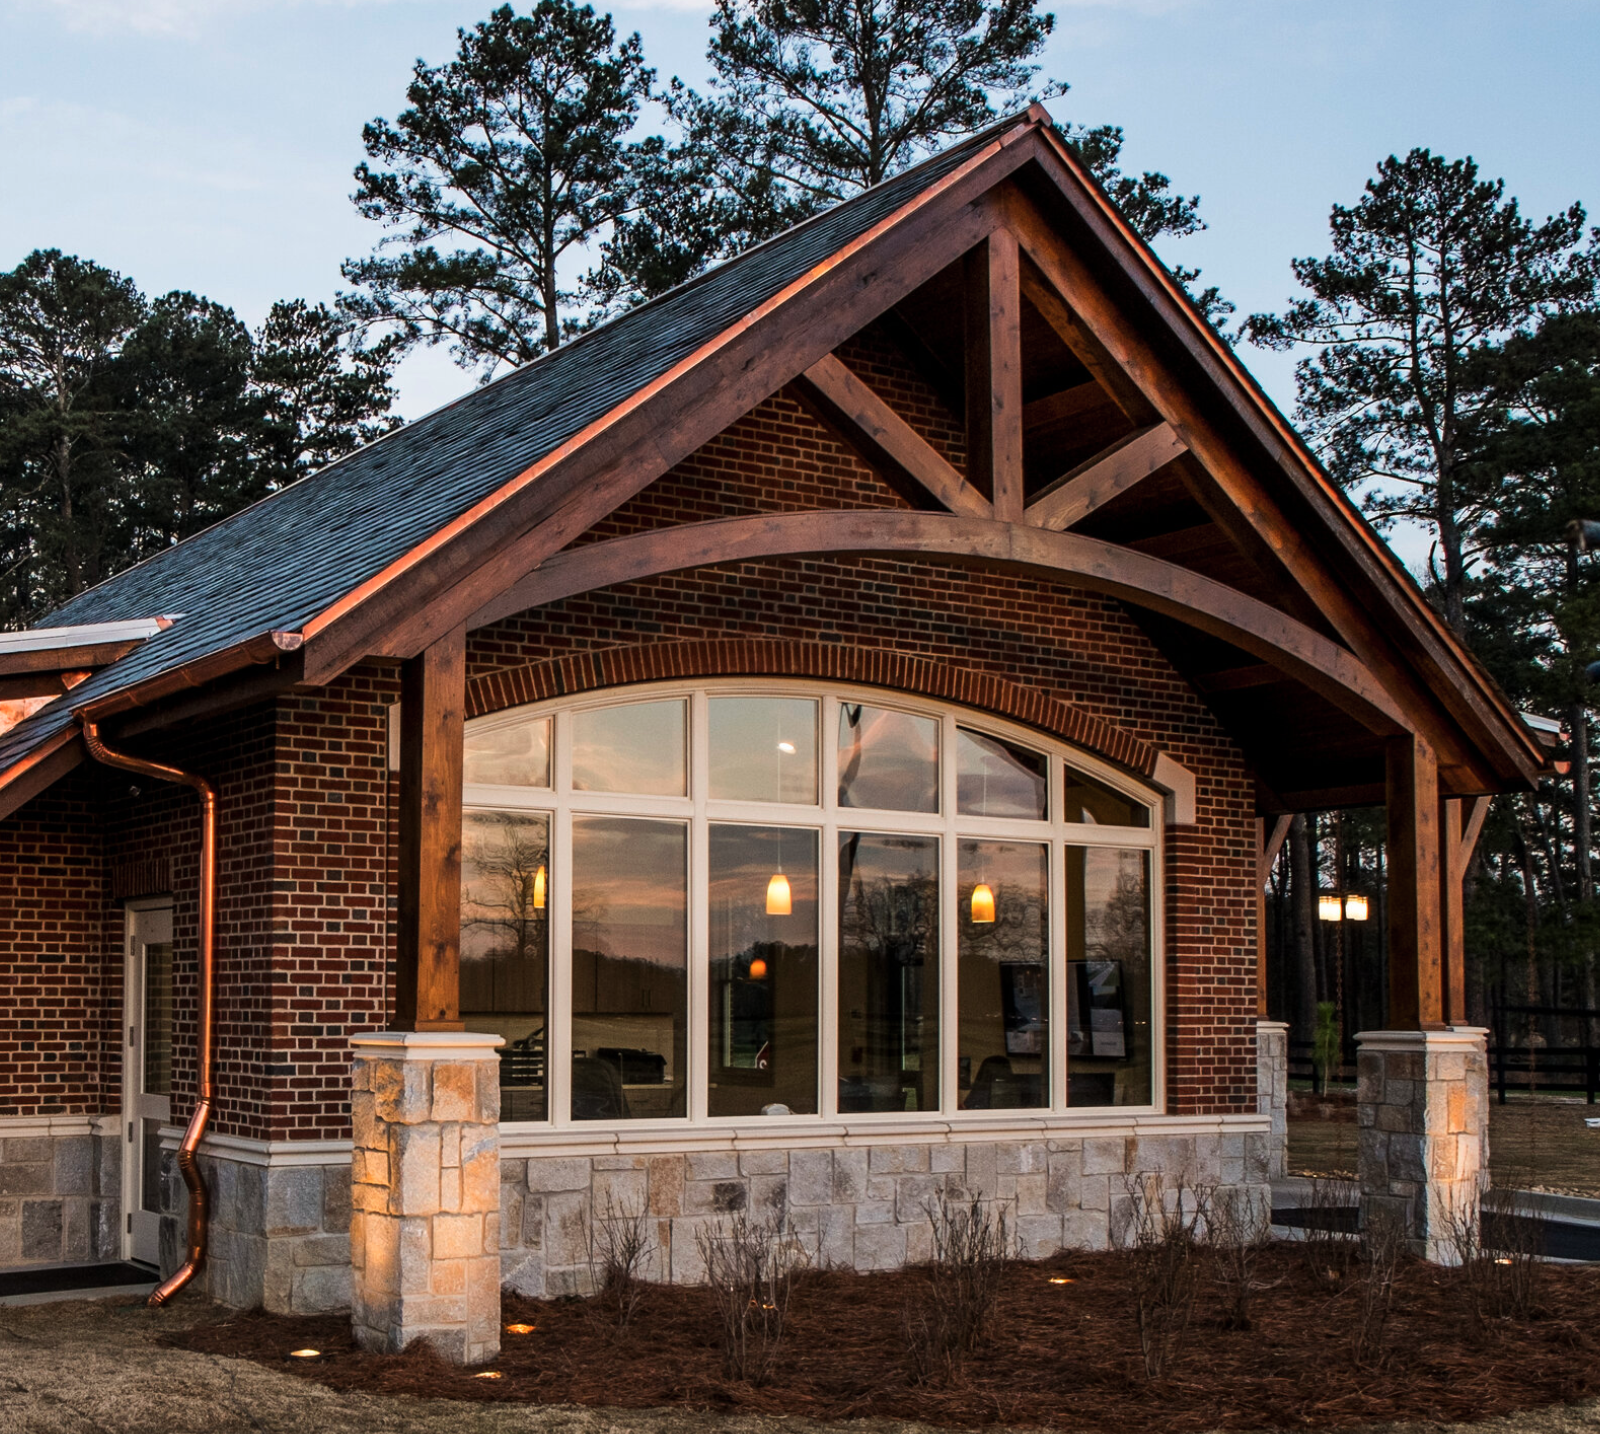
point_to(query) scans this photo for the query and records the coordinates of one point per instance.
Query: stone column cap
(1265, 1025)
(1456, 1038)
(426, 1045)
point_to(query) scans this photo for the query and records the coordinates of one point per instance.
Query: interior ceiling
(1299, 744)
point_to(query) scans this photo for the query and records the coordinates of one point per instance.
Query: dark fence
(1512, 1066)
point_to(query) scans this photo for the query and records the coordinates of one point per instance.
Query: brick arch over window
(866, 667)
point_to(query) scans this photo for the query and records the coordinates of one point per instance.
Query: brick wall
(305, 913)
(52, 975)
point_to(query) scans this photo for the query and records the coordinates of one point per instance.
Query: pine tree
(1430, 269)
(509, 160)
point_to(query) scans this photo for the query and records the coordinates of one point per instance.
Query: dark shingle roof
(279, 563)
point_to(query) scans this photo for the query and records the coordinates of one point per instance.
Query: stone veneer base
(60, 1190)
(856, 1196)
(1422, 1107)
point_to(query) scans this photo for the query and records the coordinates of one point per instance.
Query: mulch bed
(1061, 1355)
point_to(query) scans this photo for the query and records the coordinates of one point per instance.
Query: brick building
(814, 739)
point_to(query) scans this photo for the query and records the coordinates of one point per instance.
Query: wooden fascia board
(1069, 558)
(883, 438)
(459, 569)
(65, 659)
(1070, 274)
(1446, 664)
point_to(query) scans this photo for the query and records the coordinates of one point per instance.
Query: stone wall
(280, 1227)
(856, 1202)
(60, 1193)
(1272, 1089)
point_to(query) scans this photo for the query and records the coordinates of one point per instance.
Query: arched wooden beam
(1071, 558)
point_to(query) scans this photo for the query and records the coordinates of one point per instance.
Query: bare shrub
(751, 1266)
(1238, 1229)
(1165, 1227)
(1330, 1252)
(971, 1244)
(1501, 1252)
(619, 1246)
(1383, 1243)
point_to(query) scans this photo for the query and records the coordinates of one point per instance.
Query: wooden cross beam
(1096, 481)
(1415, 860)
(994, 374)
(883, 438)
(1268, 845)
(432, 730)
(1461, 824)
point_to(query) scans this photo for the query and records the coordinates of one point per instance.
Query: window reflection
(629, 968)
(1003, 937)
(516, 756)
(505, 947)
(636, 747)
(763, 1026)
(1095, 804)
(158, 1018)
(1109, 1033)
(888, 972)
(888, 761)
(763, 749)
(997, 779)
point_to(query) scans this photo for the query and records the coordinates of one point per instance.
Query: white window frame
(827, 818)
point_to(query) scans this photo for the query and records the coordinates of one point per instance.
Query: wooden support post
(432, 714)
(1268, 845)
(994, 374)
(1416, 971)
(1461, 821)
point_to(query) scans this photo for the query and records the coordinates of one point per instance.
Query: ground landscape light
(520, 1328)
(488, 1374)
(305, 1354)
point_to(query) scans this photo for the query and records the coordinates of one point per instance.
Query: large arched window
(763, 900)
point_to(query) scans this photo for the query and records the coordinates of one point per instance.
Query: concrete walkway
(95, 1367)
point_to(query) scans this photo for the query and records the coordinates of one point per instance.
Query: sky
(208, 144)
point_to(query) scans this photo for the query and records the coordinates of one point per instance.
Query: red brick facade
(308, 827)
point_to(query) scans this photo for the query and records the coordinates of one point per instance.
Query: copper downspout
(188, 1166)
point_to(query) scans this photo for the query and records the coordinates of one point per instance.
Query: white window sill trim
(528, 1140)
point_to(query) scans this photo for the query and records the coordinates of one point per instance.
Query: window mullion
(698, 1037)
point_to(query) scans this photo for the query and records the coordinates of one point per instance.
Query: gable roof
(249, 585)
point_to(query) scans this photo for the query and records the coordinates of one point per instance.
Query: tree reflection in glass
(629, 968)
(888, 972)
(888, 760)
(635, 747)
(1002, 989)
(763, 1029)
(505, 947)
(1092, 803)
(1109, 1033)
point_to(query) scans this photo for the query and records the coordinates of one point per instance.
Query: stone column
(1423, 1107)
(425, 1192)
(1272, 1091)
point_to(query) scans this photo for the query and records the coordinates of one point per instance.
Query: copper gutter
(188, 1166)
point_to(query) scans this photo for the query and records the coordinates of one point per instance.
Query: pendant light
(538, 889)
(1329, 907)
(1355, 907)
(982, 904)
(779, 902)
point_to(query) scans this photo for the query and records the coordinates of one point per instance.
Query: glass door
(146, 1075)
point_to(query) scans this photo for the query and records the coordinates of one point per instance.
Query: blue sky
(208, 144)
